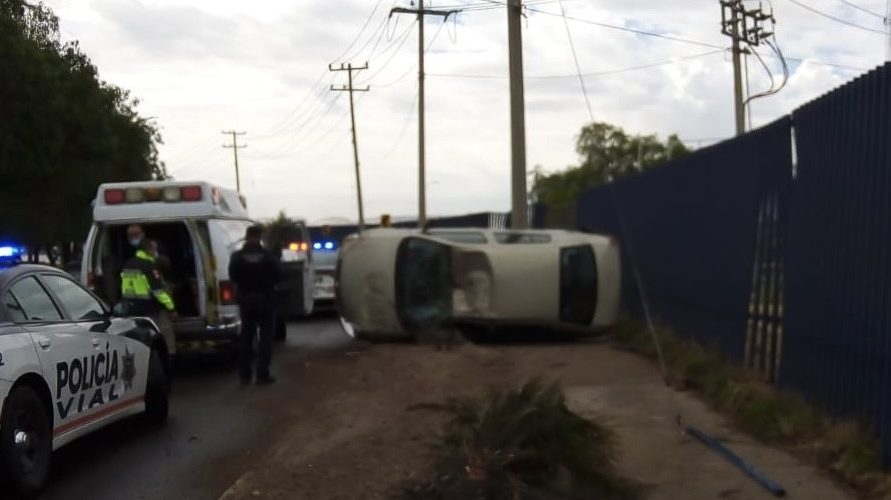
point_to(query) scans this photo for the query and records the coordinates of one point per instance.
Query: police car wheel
(26, 442)
(157, 391)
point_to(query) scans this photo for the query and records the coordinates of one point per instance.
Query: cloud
(200, 66)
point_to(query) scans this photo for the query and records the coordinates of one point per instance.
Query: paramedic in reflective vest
(255, 272)
(144, 294)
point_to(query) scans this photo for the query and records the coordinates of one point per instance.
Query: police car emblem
(128, 372)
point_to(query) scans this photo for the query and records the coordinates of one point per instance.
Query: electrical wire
(575, 59)
(673, 60)
(862, 9)
(838, 19)
(411, 68)
(398, 46)
(359, 35)
(685, 40)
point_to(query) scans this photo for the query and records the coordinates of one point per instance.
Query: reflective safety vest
(141, 285)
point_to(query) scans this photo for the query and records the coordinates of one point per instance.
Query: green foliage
(63, 131)
(280, 231)
(606, 152)
(524, 443)
(846, 448)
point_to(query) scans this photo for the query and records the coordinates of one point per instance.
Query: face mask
(134, 242)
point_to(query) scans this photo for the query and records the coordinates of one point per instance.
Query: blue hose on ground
(770, 485)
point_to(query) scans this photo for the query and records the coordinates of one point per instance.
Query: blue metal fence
(782, 262)
(689, 228)
(838, 260)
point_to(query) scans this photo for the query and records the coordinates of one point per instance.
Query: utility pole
(422, 183)
(235, 147)
(888, 29)
(743, 27)
(349, 88)
(519, 219)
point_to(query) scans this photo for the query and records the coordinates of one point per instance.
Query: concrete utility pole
(888, 28)
(422, 182)
(235, 147)
(349, 88)
(519, 219)
(744, 27)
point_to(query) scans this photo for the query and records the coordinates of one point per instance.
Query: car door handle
(44, 342)
(97, 343)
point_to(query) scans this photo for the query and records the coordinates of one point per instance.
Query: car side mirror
(120, 310)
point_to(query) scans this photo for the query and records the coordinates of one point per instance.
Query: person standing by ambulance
(144, 294)
(255, 272)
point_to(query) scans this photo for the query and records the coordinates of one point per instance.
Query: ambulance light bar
(169, 194)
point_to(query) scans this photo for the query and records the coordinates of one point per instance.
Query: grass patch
(848, 449)
(522, 444)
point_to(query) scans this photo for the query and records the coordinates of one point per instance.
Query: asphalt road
(216, 427)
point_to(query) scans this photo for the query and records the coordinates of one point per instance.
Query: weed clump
(522, 444)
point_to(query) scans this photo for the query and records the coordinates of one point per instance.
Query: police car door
(116, 371)
(61, 346)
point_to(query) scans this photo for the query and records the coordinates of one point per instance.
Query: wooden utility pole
(422, 183)
(349, 88)
(517, 115)
(235, 147)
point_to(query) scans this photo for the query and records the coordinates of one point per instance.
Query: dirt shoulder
(348, 434)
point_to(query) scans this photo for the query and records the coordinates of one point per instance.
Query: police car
(68, 367)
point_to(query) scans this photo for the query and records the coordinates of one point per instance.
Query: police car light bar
(7, 251)
(169, 194)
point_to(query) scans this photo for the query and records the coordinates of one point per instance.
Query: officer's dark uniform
(255, 271)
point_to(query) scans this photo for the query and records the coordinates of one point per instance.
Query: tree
(606, 152)
(63, 131)
(281, 231)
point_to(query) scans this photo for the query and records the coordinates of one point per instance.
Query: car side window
(36, 304)
(77, 301)
(16, 314)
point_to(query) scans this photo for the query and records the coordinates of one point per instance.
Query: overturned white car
(393, 282)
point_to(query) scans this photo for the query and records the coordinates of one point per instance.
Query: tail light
(91, 280)
(227, 293)
(191, 193)
(114, 196)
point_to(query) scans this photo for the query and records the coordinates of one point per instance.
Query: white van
(197, 226)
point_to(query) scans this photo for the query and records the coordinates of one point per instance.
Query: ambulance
(197, 226)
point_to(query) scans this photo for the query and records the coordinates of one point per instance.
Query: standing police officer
(255, 272)
(144, 294)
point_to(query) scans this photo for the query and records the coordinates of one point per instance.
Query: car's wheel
(281, 329)
(26, 442)
(157, 391)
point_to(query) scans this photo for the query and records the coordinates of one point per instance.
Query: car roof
(13, 272)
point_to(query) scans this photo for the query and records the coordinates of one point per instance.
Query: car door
(115, 369)
(61, 348)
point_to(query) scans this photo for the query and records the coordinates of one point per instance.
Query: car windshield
(423, 282)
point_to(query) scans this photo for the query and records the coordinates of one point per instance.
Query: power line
(359, 35)
(861, 9)
(838, 19)
(575, 58)
(685, 40)
(410, 69)
(673, 60)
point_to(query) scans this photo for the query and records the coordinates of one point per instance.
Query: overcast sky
(201, 66)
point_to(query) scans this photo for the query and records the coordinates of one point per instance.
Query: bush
(523, 444)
